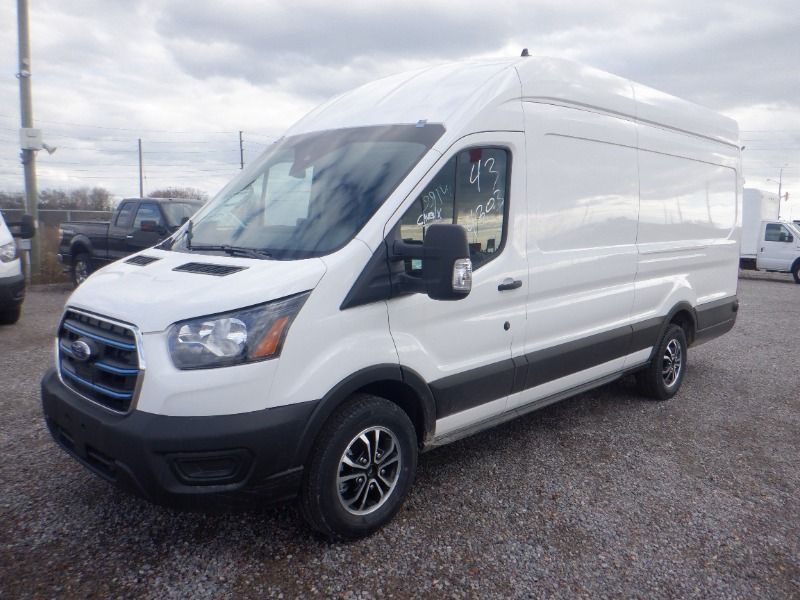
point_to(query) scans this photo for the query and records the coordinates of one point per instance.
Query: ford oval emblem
(81, 350)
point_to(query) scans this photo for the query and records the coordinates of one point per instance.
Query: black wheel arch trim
(80, 244)
(666, 320)
(359, 380)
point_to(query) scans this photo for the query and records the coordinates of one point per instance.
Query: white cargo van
(423, 257)
(12, 280)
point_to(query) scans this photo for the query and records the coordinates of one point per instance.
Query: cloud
(699, 50)
(107, 72)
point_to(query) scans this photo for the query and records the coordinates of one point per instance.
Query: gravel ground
(603, 495)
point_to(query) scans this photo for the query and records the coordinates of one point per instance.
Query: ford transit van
(418, 259)
(12, 279)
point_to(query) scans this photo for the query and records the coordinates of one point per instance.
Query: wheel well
(79, 249)
(405, 397)
(685, 320)
(795, 264)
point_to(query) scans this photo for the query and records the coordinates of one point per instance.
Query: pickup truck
(137, 223)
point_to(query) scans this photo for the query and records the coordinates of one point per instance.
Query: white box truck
(415, 260)
(768, 244)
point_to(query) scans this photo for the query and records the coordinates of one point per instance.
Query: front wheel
(81, 268)
(796, 272)
(361, 469)
(11, 315)
(662, 378)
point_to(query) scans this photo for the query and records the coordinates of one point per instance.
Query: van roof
(456, 94)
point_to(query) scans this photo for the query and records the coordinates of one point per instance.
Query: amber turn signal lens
(271, 340)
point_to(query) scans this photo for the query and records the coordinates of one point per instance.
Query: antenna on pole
(28, 151)
(241, 151)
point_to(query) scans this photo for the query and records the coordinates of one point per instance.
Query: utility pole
(26, 121)
(141, 179)
(241, 150)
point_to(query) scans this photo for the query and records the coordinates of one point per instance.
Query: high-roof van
(418, 259)
(12, 279)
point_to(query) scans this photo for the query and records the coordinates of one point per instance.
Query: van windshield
(311, 194)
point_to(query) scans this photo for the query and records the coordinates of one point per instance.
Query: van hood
(155, 295)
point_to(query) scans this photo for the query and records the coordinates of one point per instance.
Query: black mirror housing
(27, 227)
(148, 225)
(444, 245)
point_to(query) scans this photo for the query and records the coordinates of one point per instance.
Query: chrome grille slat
(110, 375)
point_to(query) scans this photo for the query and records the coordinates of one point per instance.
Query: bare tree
(179, 192)
(12, 200)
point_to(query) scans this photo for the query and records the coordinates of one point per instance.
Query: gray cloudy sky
(186, 75)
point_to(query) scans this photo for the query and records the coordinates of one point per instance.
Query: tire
(81, 268)
(374, 484)
(796, 271)
(662, 378)
(10, 315)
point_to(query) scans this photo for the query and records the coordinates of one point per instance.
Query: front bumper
(12, 290)
(173, 460)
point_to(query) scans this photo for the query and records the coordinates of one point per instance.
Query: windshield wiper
(232, 250)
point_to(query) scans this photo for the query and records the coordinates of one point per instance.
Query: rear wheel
(11, 315)
(662, 378)
(81, 268)
(361, 469)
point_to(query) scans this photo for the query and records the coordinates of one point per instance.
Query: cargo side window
(777, 233)
(125, 215)
(470, 190)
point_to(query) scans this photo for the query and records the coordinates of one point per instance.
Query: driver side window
(777, 233)
(147, 212)
(470, 190)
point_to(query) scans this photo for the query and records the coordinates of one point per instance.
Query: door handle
(129, 236)
(509, 284)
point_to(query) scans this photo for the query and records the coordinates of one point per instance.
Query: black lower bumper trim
(173, 460)
(12, 290)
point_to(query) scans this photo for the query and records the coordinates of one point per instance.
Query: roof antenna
(524, 52)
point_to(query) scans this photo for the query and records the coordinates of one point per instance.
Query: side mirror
(148, 225)
(446, 266)
(27, 227)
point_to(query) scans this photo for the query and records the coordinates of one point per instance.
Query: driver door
(463, 348)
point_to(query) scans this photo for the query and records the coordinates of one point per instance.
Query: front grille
(109, 375)
(209, 269)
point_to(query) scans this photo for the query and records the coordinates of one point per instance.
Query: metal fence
(56, 216)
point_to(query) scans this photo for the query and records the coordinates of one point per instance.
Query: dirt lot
(603, 495)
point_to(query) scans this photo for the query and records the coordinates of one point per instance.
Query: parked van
(12, 280)
(415, 260)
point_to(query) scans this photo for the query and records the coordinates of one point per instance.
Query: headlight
(241, 336)
(8, 252)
